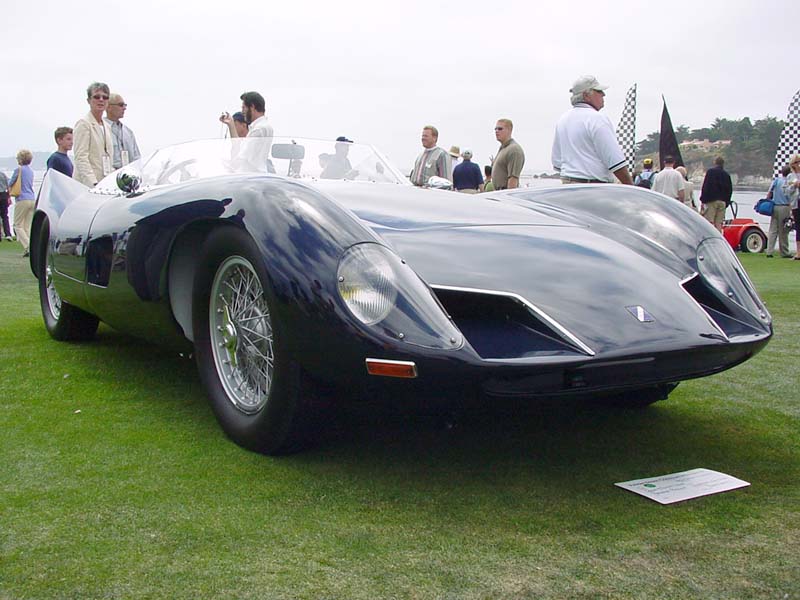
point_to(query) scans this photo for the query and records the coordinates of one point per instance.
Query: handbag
(16, 189)
(764, 207)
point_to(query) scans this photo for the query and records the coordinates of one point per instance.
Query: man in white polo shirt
(670, 182)
(585, 148)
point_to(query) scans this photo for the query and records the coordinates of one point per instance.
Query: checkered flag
(790, 137)
(626, 130)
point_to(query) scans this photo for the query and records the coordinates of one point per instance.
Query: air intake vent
(726, 317)
(504, 326)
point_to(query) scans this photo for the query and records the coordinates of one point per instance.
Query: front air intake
(501, 325)
(727, 317)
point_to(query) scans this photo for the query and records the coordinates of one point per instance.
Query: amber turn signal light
(391, 368)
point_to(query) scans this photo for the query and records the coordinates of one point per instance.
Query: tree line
(751, 151)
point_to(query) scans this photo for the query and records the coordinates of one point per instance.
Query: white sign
(686, 485)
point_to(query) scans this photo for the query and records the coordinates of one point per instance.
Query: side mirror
(288, 151)
(439, 183)
(128, 182)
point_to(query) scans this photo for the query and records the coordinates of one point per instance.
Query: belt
(566, 179)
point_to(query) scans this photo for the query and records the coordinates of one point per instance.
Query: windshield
(289, 157)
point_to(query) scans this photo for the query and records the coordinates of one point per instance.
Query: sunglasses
(122, 104)
(499, 128)
(100, 97)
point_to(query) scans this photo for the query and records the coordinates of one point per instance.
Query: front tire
(753, 241)
(258, 392)
(63, 321)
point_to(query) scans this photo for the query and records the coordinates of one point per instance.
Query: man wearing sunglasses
(507, 165)
(93, 144)
(125, 148)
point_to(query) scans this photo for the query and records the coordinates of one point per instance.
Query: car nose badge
(640, 313)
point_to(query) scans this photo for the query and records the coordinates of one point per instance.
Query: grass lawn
(116, 482)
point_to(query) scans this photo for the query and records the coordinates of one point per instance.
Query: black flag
(668, 144)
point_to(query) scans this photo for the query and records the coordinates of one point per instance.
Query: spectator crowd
(584, 150)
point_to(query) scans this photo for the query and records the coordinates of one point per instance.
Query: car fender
(57, 193)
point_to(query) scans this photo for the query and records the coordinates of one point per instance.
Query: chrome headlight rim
(367, 282)
(384, 294)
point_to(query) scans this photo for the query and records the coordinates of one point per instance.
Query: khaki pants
(23, 216)
(778, 231)
(714, 212)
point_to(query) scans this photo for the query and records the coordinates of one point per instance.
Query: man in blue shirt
(646, 178)
(59, 160)
(780, 212)
(467, 176)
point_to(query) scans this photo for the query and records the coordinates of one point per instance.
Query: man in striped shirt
(126, 150)
(433, 161)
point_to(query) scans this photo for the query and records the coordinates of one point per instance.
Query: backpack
(645, 182)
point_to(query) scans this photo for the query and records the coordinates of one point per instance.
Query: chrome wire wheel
(241, 335)
(53, 299)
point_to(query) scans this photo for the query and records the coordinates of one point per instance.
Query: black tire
(753, 241)
(639, 398)
(259, 394)
(63, 321)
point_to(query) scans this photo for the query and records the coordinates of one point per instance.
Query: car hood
(589, 275)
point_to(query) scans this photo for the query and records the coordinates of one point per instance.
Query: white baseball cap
(586, 83)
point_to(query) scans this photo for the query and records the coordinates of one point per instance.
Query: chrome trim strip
(69, 277)
(572, 338)
(700, 306)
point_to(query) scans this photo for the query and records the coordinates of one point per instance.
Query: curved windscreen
(288, 157)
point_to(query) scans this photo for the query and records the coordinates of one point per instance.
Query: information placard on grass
(685, 485)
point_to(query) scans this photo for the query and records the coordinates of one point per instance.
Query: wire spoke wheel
(241, 335)
(53, 300)
(258, 390)
(63, 321)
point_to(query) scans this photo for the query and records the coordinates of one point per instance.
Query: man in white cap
(467, 176)
(585, 148)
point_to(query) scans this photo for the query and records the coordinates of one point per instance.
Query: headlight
(382, 291)
(722, 270)
(367, 283)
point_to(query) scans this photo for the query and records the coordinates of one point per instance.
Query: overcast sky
(378, 71)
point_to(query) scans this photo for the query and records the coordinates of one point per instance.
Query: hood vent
(728, 318)
(502, 326)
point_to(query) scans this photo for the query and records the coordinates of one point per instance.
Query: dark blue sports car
(300, 269)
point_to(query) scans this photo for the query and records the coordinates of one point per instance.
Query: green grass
(116, 482)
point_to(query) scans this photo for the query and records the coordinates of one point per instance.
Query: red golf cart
(744, 234)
